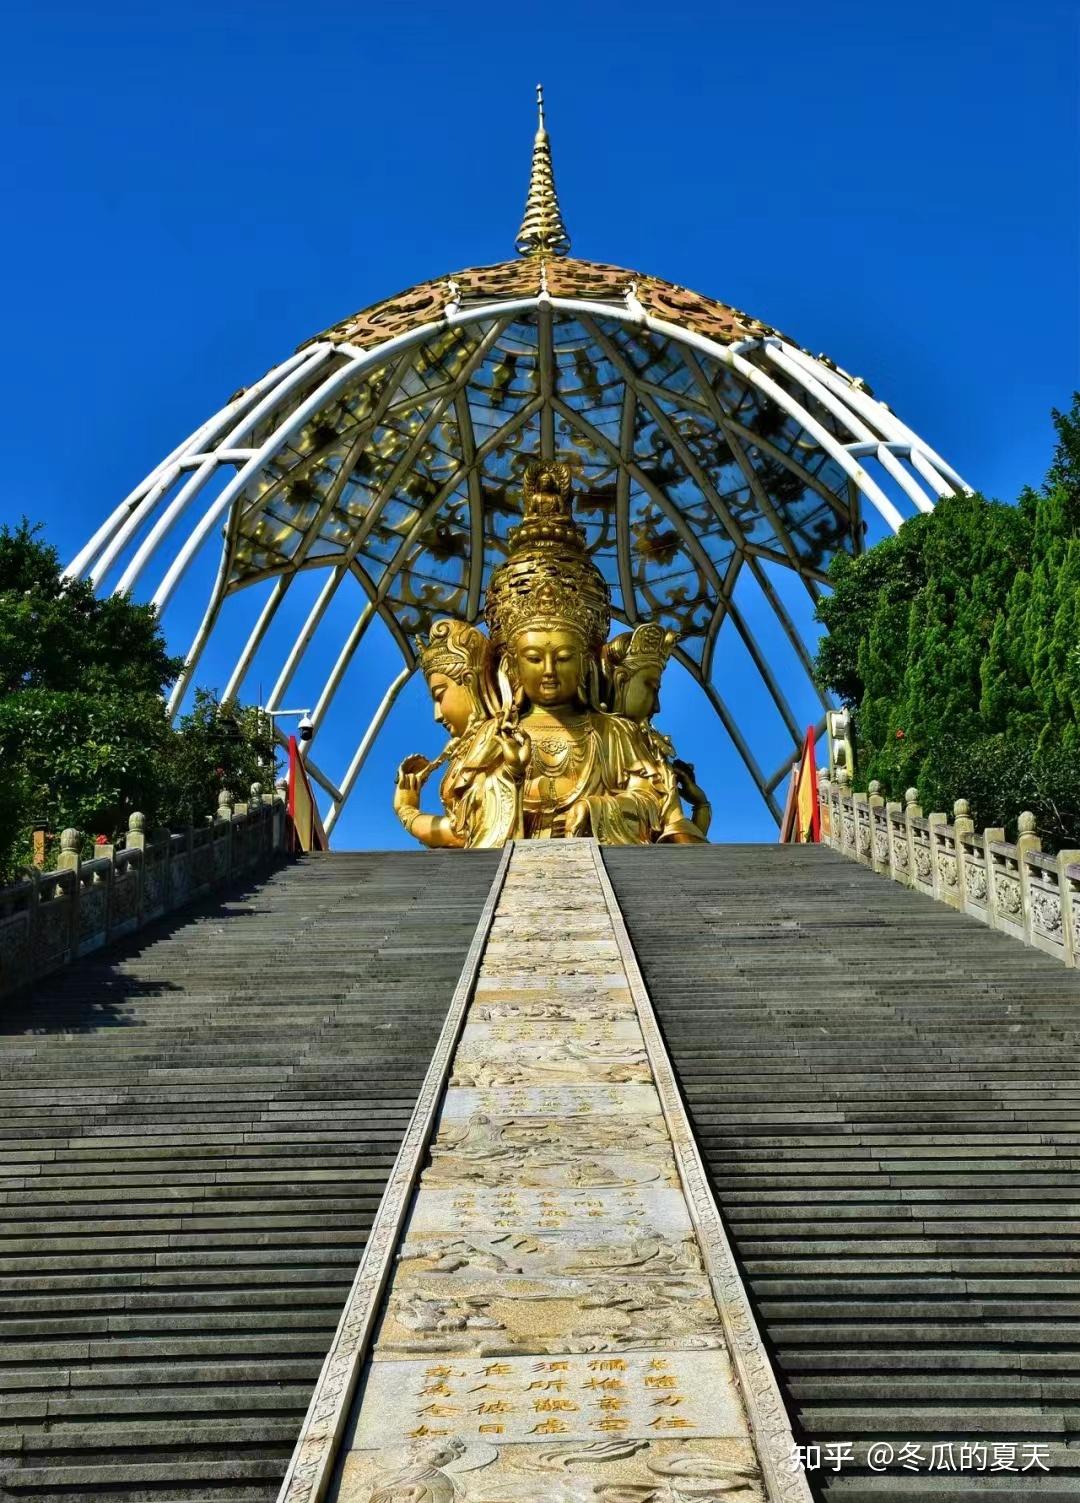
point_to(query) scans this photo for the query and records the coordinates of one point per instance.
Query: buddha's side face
(550, 665)
(641, 694)
(453, 703)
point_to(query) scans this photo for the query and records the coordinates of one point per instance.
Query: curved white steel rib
(852, 426)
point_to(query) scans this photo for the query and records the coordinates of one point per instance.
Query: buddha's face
(550, 665)
(454, 703)
(639, 696)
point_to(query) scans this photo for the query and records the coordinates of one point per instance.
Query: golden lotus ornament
(550, 723)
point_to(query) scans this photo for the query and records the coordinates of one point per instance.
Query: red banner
(802, 816)
(306, 831)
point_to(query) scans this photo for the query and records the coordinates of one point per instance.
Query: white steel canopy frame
(710, 452)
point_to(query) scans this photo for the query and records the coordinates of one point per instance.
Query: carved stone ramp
(196, 1127)
(887, 1096)
(548, 1310)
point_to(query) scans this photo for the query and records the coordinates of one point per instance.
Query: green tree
(57, 634)
(214, 748)
(84, 734)
(955, 642)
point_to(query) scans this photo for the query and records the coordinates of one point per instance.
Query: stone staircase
(195, 1132)
(888, 1098)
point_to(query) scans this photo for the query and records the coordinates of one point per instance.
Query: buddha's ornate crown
(648, 645)
(454, 648)
(548, 579)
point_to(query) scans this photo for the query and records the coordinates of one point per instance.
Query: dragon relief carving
(571, 1062)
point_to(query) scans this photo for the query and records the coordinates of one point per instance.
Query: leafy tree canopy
(57, 634)
(84, 735)
(957, 643)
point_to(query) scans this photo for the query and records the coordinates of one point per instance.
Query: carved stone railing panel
(1047, 918)
(124, 899)
(899, 845)
(922, 856)
(93, 904)
(976, 881)
(1012, 887)
(51, 943)
(47, 919)
(1006, 888)
(863, 830)
(879, 839)
(948, 877)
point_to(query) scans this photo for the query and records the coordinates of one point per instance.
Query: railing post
(69, 860)
(824, 812)
(992, 835)
(899, 853)
(136, 841)
(281, 820)
(863, 835)
(937, 825)
(1027, 839)
(1068, 865)
(879, 829)
(846, 821)
(950, 858)
(912, 810)
(222, 831)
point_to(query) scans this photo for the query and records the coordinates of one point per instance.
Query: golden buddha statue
(533, 753)
(634, 664)
(486, 757)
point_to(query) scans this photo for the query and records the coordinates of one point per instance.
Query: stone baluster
(222, 846)
(824, 798)
(1069, 887)
(879, 828)
(864, 835)
(1027, 840)
(962, 826)
(70, 860)
(136, 841)
(899, 851)
(845, 812)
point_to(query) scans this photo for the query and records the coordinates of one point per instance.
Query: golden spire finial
(542, 229)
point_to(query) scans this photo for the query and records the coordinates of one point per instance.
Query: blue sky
(193, 191)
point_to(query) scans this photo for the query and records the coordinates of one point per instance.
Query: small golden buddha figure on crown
(534, 753)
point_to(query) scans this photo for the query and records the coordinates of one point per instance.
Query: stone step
(195, 1130)
(887, 1096)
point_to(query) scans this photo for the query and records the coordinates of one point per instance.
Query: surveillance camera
(307, 728)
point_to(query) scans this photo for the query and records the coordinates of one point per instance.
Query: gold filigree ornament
(548, 579)
(649, 645)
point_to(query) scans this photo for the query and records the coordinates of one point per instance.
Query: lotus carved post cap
(1026, 823)
(874, 787)
(136, 823)
(224, 798)
(70, 840)
(911, 796)
(961, 809)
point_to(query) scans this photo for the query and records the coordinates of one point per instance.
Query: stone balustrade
(1013, 887)
(50, 918)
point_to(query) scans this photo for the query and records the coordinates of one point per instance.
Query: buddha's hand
(688, 787)
(578, 822)
(514, 749)
(409, 781)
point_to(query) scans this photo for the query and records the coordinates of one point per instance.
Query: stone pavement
(563, 1320)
